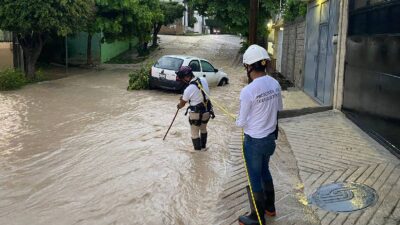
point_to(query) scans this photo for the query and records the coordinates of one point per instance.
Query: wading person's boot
(252, 218)
(269, 198)
(203, 140)
(197, 144)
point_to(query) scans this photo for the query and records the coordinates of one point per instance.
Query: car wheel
(223, 82)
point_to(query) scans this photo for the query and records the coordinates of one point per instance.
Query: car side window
(195, 65)
(207, 67)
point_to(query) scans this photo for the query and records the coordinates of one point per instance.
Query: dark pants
(257, 152)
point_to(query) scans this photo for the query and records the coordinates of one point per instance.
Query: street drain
(344, 197)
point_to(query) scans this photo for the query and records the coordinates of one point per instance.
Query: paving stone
(328, 148)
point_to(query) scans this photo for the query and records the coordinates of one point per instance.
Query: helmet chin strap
(186, 82)
(249, 80)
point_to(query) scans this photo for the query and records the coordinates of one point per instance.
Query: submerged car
(162, 74)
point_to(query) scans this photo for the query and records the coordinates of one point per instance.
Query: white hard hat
(255, 53)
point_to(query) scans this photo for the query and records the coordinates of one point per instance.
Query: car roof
(184, 57)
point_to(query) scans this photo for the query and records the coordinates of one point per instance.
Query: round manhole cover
(344, 197)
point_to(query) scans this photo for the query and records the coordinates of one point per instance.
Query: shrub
(11, 79)
(294, 9)
(140, 79)
(244, 46)
(39, 76)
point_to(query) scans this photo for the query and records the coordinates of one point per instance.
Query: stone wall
(293, 52)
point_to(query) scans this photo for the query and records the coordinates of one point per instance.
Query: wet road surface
(83, 150)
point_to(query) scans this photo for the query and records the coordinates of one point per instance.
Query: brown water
(83, 150)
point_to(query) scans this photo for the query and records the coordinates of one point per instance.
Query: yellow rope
(216, 103)
(248, 181)
(244, 159)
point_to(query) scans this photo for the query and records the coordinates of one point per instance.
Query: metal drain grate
(344, 197)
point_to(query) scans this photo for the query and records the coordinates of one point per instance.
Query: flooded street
(83, 150)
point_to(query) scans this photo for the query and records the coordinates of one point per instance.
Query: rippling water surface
(83, 150)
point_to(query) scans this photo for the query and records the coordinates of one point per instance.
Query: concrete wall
(77, 48)
(292, 66)
(111, 50)
(101, 52)
(6, 55)
(198, 26)
(340, 55)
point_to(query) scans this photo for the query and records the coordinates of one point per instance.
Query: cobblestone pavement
(284, 169)
(314, 150)
(330, 148)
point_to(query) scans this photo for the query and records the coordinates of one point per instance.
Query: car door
(196, 69)
(208, 71)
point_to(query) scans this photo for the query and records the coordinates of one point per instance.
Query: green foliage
(116, 18)
(245, 45)
(140, 79)
(39, 76)
(33, 21)
(214, 23)
(166, 14)
(171, 11)
(294, 9)
(11, 79)
(234, 14)
(44, 16)
(125, 19)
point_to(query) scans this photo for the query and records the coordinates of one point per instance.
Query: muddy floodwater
(83, 150)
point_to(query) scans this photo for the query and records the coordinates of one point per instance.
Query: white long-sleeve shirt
(260, 102)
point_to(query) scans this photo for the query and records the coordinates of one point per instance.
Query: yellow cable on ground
(244, 159)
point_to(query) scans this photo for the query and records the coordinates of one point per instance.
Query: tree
(294, 9)
(150, 14)
(126, 19)
(117, 18)
(234, 14)
(33, 21)
(92, 27)
(171, 11)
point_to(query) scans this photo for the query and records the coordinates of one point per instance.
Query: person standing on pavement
(200, 108)
(260, 102)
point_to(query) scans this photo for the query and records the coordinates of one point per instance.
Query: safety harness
(200, 108)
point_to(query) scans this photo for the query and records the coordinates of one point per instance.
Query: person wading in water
(200, 108)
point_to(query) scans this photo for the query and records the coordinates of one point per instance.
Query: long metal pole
(66, 54)
(171, 124)
(253, 13)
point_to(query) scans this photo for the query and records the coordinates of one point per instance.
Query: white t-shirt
(260, 102)
(193, 93)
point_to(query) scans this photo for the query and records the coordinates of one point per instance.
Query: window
(195, 65)
(207, 67)
(169, 63)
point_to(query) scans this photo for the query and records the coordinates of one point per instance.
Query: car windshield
(169, 63)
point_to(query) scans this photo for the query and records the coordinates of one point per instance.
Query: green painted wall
(111, 50)
(101, 52)
(77, 47)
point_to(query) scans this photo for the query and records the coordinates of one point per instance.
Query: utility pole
(253, 13)
(66, 53)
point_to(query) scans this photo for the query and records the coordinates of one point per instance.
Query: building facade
(371, 81)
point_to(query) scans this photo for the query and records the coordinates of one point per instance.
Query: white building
(182, 26)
